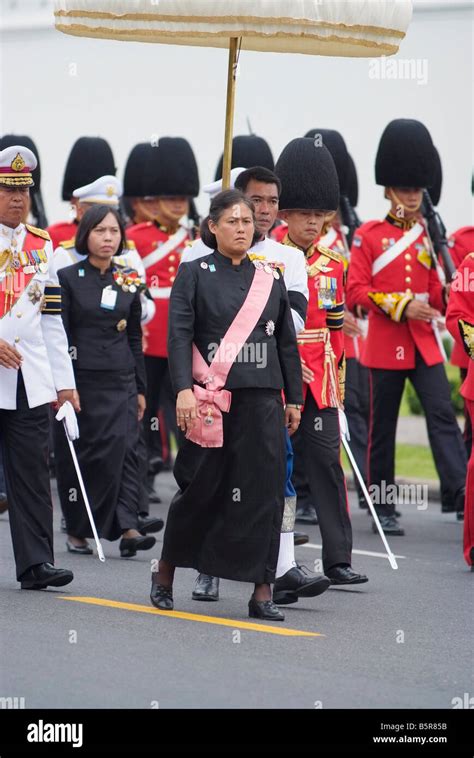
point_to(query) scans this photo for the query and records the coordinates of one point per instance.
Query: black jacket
(95, 342)
(203, 305)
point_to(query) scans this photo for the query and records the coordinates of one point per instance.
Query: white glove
(343, 425)
(68, 413)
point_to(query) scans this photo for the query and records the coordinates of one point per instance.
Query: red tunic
(62, 231)
(460, 322)
(321, 343)
(161, 254)
(392, 339)
(460, 243)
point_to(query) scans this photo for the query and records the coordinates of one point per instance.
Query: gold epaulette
(39, 232)
(330, 253)
(68, 244)
(255, 257)
(130, 245)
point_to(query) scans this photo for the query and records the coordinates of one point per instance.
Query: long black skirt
(107, 455)
(225, 519)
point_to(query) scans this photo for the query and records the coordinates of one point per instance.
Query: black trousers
(357, 409)
(319, 440)
(156, 370)
(299, 476)
(467, 434)
(24, 434)
(449, 453)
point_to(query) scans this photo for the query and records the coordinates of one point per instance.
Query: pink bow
(208, 430)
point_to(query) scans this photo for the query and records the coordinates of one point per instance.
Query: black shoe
(299, 538)
(206, 587)
(129, 545)
(396, 513)
(389, 525)
(3, 502)
(149, 525)
(265, 609)
(345, 575)
(80, 549)
(297, 582)
(459, 501)
(63, 527)
(45, 575)
(306, 514)
(161, 597)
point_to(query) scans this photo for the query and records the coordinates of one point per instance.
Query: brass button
(407, 268)
(172, 258)
(407, 257)
(408, 291)
(19, 315)
(408, 279)
(172, 269)
(17, 339)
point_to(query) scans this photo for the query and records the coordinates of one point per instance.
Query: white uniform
(296, 278)
(38, 336)
(68, 255)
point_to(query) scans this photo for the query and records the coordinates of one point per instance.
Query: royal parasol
(346, 28)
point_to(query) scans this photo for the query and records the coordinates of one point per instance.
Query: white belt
(160, 293)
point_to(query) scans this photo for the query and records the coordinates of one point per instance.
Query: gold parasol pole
(229, 113)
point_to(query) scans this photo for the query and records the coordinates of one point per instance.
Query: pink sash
(208, 429)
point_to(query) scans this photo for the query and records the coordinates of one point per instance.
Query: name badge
(109, 298)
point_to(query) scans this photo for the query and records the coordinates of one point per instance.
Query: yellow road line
(194, 617)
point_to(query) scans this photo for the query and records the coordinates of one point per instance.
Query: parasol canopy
(348, 28)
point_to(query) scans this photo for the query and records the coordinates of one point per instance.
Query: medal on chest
(326, 288)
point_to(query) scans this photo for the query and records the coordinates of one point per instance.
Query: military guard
(90, 158)
(166, 185)
(310, 191)
(460, 322)
(393, 279)
(334, 237)
(35, 370)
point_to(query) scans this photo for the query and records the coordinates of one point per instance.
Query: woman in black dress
(225, 519)
(101, 312)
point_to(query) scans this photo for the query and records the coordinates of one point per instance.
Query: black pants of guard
(467, 434)
(156, 370)
(449, 453)
(24, 434)
(357, 408)
(320, 441)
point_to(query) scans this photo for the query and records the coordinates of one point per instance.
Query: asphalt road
(404, 640)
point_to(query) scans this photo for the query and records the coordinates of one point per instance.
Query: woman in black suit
(101, 314)
(225, 520)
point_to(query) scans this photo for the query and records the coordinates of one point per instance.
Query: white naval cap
(106, 190)
(216, 187)
(16, 164)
